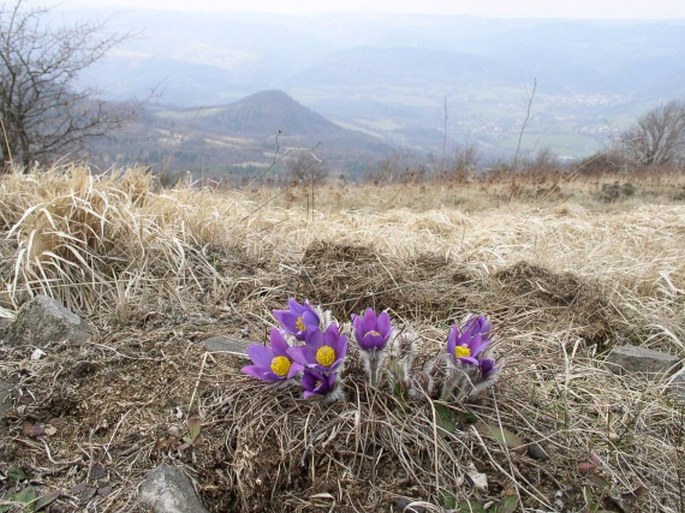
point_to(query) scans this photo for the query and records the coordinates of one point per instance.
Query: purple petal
(294, 306)
(371, 342)
(297, 354)
(317, 384)
(331, 335)
(384, 325)
(308, 380)
(260, 373)
(369, 320)
(314, 338)
(477, 326)
(358, 328)
(336, 341)
(452, 340)
(310, 319)
(260, 355)
(287, 320)
(295, 368)
(487, 367)
(279, 346)
(485, 326)
(477, 344)
(468, 359)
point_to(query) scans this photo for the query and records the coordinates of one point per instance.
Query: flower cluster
(317, 362)
(471, 371)
(310, 345)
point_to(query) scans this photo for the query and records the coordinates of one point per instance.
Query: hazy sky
(605, 9)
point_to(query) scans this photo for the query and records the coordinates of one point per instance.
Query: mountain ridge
(239, 135)
(402, 76)
(270, 109)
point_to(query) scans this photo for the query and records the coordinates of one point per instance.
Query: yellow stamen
(462, 351)
(280, 365)
(325, 355)
(300, 324)
(373, 332)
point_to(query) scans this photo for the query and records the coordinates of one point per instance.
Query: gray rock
(5, 398)
(640, 359)
(225, 344)
(43, 320)
(168, 490)
(678, 387)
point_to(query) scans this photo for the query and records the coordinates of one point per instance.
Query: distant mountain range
(403, 78)
(240, 137)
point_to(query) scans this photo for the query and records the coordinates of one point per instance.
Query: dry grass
(564, 274)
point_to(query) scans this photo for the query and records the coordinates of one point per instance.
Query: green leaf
(502, 435)
(445, 419)
(398, 391)
(466, 417)
(194, 430)
(471, 506)
(27, 496)
(449, 500)
(16, 474)
(599, 481)
(589, 499)
(508, 504)
(46, 500)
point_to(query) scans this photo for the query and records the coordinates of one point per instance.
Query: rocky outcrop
(652, 364)
(225, 344)
(629, 358)
(42, 321)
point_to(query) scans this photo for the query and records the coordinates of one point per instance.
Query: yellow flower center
(280, 365)
(462, 351)
(300, 324)
(325, 355)
(373, 332)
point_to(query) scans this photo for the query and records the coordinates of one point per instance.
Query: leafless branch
(525, 122)
(44, 114)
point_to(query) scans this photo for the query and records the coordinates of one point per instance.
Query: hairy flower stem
(372, 362)
(373, 374)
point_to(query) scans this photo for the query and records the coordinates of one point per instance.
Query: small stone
(43, 320)
(225, 344)
(630, 358)
(168, 490)
(536, 452)
(97, 471)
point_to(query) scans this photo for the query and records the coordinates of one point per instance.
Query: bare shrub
(658, 138)
(44, 115)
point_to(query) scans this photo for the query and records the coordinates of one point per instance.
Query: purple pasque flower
(317, 384)
(478, 325)
(298, 318)
(465, 345)
(323, 351)
(487, 368)
(273, 363)
(371, 330)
